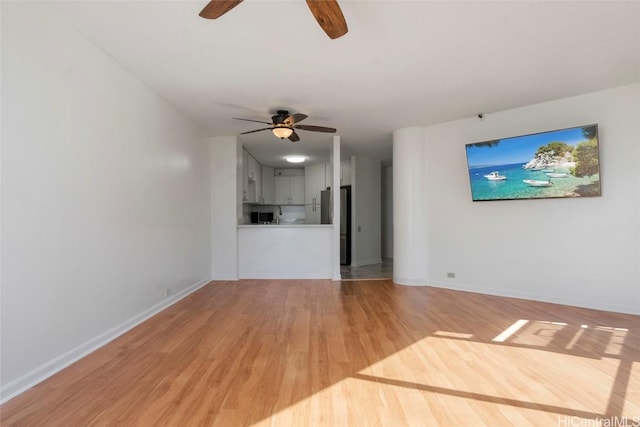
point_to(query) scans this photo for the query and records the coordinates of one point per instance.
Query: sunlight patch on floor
(616, 340)
(525, 377)
(447, 334)
(426, 382)
(541, 333)
(504, 335)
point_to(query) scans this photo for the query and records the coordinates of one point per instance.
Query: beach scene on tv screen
(560, 163)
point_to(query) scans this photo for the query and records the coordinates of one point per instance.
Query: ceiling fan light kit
(327, 13)
(282, 132)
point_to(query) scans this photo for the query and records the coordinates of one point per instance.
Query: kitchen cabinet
(251, 178)
(245, 182)
(268, 186)
(257, 178)
(252, 168)
(289, 190)
(283, 192)
(297, 190)
(315, 181)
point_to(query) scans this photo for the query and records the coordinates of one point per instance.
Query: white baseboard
(553, 299)
(226, 277)
(44, 371)
(366, 262)
(405, 281)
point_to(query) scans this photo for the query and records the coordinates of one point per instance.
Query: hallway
(368, 272)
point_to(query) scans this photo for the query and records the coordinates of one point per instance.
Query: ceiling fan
(284, 125)
(327, 13)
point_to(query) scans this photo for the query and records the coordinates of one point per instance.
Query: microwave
(261, 217)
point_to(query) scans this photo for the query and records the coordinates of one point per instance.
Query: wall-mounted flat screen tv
(554, 164)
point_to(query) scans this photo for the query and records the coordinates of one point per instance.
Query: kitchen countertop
(285, 225)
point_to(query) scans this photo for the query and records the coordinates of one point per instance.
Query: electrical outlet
(451, 275)
(359, 229)
(167, 292)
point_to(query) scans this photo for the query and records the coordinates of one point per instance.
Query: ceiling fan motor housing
(279, 119)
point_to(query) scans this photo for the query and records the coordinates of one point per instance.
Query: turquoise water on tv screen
(514, 188)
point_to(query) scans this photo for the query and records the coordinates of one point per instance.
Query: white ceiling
(402, 63)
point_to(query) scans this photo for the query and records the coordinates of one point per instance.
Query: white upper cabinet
(297, 190)
(245, 182)
(252, 175)
(283, 194)
(314, 183)
(289, 190)
(257, 174)
(268, 186)
(317, 179)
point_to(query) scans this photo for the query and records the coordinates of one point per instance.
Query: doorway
(368, 272)
(345, 225)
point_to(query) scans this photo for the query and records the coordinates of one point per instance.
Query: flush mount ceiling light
(282, 132)
(295, 159)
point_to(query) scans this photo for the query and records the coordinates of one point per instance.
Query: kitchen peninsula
(285, 251)
(280, 235)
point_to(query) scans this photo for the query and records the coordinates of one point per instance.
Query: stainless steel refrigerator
(345, 219)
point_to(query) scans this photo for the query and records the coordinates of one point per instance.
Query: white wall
(582, 252)
(226, 206)
(105, 199)
(387, 212)
(409, 207)
(366, 214)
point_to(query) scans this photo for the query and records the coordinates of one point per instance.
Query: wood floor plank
(353, 353)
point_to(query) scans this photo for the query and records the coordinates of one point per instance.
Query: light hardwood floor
(357, 353)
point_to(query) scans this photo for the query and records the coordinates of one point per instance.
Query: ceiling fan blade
(216, 8)
(295, 118)
(257, 130)
(256, 121)
(315, 128)
(294, 137)
(329, 16)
